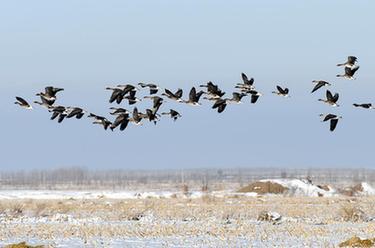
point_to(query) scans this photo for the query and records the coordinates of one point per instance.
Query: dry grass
(220, 217)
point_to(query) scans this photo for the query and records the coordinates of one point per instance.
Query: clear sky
(84, 46)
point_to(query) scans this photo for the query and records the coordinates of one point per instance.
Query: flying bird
(173, 113)
(157, 102)
(132, 99)
(331, 99)
(194, 97)
(153, 87)
(121, 120)
(76, 112)
(334, 119)
(281, 92)
(364, 105)
(220, 104)
(319, 84)
(100, 120)
(23, 103)
(350, 62)
(173, 96)
(349, 73)
(247, 83)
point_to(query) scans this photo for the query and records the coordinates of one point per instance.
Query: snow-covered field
(195, 219)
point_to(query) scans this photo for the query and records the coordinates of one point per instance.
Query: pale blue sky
(85, 46)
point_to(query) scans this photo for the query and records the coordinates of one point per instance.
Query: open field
(177, 221)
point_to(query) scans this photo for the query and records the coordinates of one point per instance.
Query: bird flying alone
(23, 103)
(281, 92)
(334, 119)
(319, 84)
(364, 105)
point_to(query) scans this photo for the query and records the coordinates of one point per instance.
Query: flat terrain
(210, 220)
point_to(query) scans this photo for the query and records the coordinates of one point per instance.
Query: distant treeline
(81, 178)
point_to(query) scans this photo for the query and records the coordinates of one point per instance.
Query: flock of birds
(211, 93)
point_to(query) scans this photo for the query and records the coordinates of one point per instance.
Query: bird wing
(218, 103)
(244, 78)
(49, 90)
(153, 91)
(168, 92)
(254, 98)
(335, 97)
(192, 94)
(281, 90)
(221, 108)
(352, 59)
(329, 116)
(114, 95)
(21, 100)
(318, 86)
(124, 124)
(333, 124)
(178, 93)
(329, 95)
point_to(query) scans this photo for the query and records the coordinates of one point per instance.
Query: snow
(299, 187)
(367, 189)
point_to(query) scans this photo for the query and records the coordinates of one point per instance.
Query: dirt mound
(352, 191)
(23, 245)
(357, 242)
(264, 188)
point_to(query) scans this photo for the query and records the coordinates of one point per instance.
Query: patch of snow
(367, 189)
(297, 187)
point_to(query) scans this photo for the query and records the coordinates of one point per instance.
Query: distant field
(208, 220)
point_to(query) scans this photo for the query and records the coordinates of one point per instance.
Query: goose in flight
(121, 120)
(350, 62)
(132, 99)
(100, 120)
(58, 111)
(194, 97)
(213, 91)
(76, 112)
(45, 103)
(117, 95)
(153, 87)
(117, 111)
(319, 84)
(331, 99)
(349, 73)
(247, 84)
(173, 113)
(50, 93)
(220, 104)
(150, 115)
(236, 98)
(136, 118)
(334, 119)
(281, 92)
(174, 96)
(157, 102)
(364, 105)
(23, 103)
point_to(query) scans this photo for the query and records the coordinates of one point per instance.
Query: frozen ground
(211, 220)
